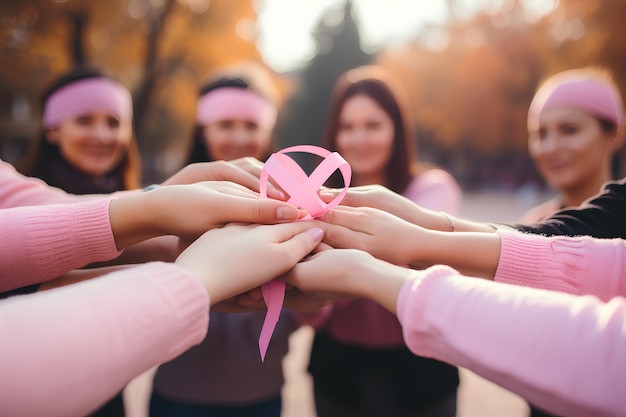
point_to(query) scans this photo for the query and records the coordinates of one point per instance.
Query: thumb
(262, 211)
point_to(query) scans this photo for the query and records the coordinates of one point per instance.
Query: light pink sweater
(562, 352)
(108, 329)
(17, 190)
(563, 264)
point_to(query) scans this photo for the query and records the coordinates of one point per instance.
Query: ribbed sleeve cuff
(188, 303)
(412, 308)
(539, 262)
(70, 237)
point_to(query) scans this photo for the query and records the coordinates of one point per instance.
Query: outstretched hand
(382, 198)
(236, 258)
(243, 171)
(374, 231)
(188, 211)
(349, 273)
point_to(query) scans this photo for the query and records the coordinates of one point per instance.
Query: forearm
(133, 219)
(160, 248)
(524, 339)
(435, 220)
(90, 339)
(475, 254)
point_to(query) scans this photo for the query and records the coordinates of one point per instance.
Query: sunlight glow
(285, 26)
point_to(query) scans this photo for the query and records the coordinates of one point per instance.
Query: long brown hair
(379, 85)
(36, 160)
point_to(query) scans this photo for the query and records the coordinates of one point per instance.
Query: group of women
(391, 348)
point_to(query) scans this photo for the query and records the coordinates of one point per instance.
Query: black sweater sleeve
(602, 216)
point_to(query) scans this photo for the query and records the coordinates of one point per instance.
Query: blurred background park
(470, 66)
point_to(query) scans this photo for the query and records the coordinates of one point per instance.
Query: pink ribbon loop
(302, 190)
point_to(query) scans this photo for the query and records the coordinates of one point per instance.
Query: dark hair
(609, 127)
(198, 151)
(36, 160)
(375, 83)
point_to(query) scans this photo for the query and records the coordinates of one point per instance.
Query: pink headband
(228, 103)
(85, 96)
(578, 92)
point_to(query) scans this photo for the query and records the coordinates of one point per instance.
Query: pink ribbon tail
(273, 295)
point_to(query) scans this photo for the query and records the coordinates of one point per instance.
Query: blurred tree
(161, 49)
(338, 41)
(472, 81)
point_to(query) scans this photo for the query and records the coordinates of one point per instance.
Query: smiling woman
(575, 126)
(86, 144)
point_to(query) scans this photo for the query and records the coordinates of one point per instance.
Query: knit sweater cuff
(413, 311)
(76, 235)
(552, 263)
(188, 303)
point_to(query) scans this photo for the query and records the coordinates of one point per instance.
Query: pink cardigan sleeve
(65, 352)
(563, 264)
(42, 242)
(564, 353)
(18, 190)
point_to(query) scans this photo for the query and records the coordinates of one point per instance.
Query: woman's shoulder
(435, 189)
(433, 178)
(540, 211)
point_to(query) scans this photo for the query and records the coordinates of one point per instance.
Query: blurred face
(570, 148)
(232, 139)
(365, 136)
(93, 143)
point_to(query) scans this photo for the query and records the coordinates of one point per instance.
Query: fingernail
(285, 213)
(279, 195)
(326, 194)
(316, 233)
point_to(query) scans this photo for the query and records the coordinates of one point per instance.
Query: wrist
(130, 221)
(381, 283)
(450, 220)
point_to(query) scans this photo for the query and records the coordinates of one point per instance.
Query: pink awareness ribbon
(302, 190)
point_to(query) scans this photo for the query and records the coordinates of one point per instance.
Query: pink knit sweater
(563, 264)
(108, 329)
(562, 352)
(104, 330)
(56, 342)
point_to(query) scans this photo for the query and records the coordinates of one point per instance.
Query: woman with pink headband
(576, 126)
(224, 375)
(86, 145)
(359, 361)
(235, 118)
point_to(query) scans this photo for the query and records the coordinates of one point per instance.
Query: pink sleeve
(42, 242)
(564, 353)
(65, 352)
(17, 190)
(574, 265)
(437, 190)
